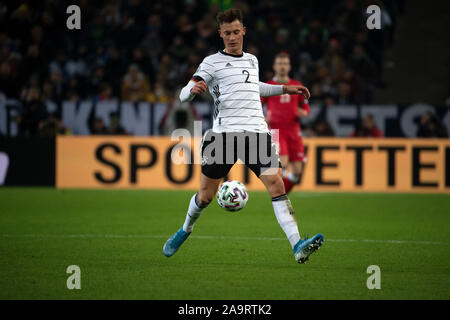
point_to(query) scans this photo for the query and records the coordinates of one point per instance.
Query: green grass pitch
(116, 238)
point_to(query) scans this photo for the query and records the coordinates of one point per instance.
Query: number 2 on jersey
(248, 75)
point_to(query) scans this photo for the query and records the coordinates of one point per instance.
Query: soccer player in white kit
(232, 77)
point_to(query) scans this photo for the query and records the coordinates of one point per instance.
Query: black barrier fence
(31, 161)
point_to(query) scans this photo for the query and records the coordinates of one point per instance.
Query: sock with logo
(286, 218)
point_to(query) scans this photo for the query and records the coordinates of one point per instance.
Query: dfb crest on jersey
(251, 62)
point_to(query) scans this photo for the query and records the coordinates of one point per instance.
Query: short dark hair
(282, 54)
(229, 16)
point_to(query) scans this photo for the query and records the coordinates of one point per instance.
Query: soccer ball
(232, 195)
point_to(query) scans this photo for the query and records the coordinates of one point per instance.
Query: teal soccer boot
(171, 246)
(304, 248)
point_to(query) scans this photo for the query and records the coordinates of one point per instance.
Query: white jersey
(233, 81)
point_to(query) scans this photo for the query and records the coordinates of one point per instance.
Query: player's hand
(302, 113)
(297, 89)
(199, 87)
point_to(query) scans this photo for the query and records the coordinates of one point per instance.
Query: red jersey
(282, 110)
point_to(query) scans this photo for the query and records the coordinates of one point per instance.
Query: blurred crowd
(140, 50)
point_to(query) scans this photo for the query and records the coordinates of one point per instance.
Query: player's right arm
(199, 82)
(193, 88)
(303, 110)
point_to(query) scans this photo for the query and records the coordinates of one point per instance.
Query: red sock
(288, 185)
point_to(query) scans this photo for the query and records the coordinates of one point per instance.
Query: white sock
(286, 218)
(192, 215)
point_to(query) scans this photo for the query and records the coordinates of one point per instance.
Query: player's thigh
(296, 150)
(261, 154)
(267, 168)
(213, 167)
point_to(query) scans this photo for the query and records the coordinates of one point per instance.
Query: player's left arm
(296, 89)
(269, 90)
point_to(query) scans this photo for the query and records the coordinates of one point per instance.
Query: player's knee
(275, 186)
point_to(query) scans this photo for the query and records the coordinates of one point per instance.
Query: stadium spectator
(323, 129)
(316, 93)
(140, 59)
(313, 39)
(345, 94)
(58, 84)
(114, 68)
(328, 100)
(158, 94)
(52, 126)
(33, 63)
(151, 42)
(165, 69)
(33, 113)
(98, 127)
(334, 60)
(367, 128)
(105, 92)
(365, 70)
(96, 81)
(431, 127)
(47, 91)
(74, 85)
(320, 128)
(115, 128)
(8, 85)
(329, 45)
(73, 96)
(135, 86)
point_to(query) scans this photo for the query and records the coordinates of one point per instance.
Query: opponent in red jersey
(283, 113)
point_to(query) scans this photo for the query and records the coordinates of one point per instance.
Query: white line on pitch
(152, 236)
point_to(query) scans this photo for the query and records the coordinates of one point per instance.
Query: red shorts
(289, 143)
